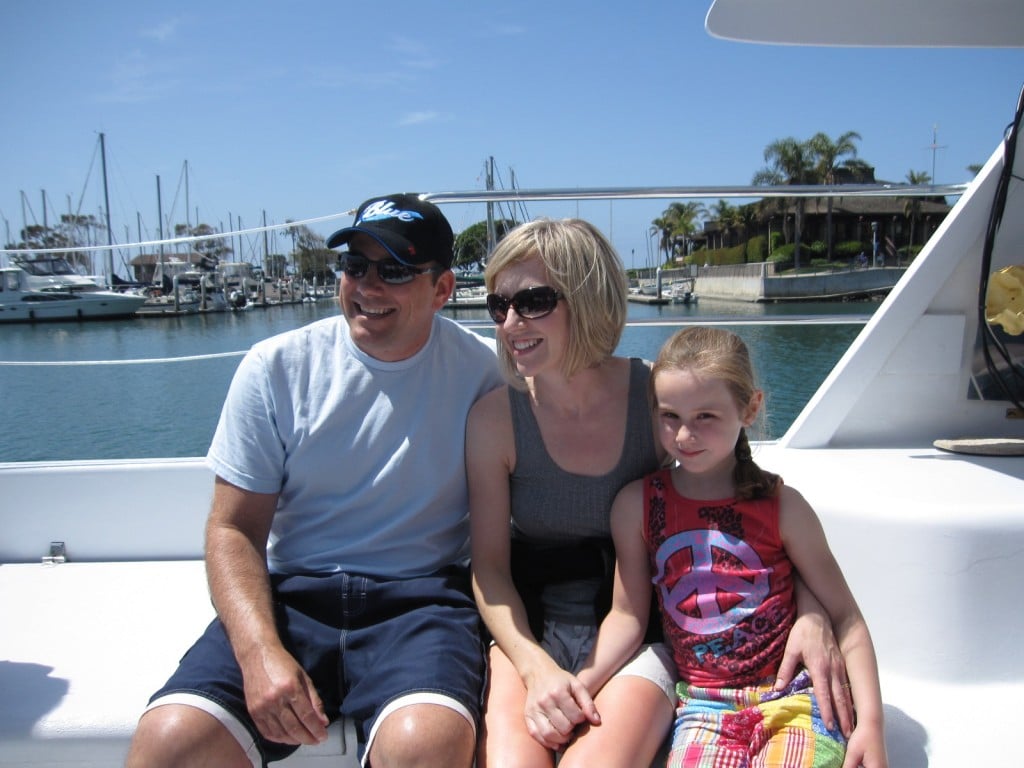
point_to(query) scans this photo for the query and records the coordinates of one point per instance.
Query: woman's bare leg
(504, 740)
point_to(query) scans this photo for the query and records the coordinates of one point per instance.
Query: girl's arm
(623, 629)
(806, 545)
(556, 701)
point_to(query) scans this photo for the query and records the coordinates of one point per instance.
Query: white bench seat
(84, 644)
(93, 642)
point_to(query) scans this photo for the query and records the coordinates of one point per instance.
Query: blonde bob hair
(583, 266)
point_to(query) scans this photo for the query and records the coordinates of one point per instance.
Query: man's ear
(443, 288)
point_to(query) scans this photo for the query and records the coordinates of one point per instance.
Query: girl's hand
(866, 748)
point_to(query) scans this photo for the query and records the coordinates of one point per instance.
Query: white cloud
(419, 118)
(138, 78)
(507, 30)
(338, 77)
(415, 54)
(163, 31)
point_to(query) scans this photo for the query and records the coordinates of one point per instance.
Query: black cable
(989, 337)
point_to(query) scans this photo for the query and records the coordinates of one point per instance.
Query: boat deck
(100, 632)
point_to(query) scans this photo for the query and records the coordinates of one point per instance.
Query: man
(337, 541)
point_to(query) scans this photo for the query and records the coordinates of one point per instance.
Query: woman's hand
(557, 702)
(812, 644)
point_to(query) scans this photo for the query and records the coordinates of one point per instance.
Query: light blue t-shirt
(368, 456)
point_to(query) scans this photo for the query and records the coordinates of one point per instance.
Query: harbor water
(68, 392)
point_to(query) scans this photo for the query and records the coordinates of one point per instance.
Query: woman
(546, 456)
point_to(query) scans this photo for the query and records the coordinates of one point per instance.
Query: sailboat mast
(492, 237)
(266, 246)
(106, 211)
(188, 224)
(160, 221)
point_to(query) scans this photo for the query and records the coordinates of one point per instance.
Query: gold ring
(846, 685)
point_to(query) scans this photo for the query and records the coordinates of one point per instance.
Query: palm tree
(725, 214)
(662, 227)
(912, 205)
(789, 162)
(747, 219)
(674, 227)
(827, 154)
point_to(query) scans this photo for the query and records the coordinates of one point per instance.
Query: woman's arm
(556, 700)
(812, 645)
(807, 546)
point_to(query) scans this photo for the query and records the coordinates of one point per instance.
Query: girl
(722, 541)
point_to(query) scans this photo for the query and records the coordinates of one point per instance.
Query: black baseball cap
(412, 230)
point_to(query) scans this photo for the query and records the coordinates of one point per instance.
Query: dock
(642, 298)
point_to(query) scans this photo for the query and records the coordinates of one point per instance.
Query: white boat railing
(821, 191)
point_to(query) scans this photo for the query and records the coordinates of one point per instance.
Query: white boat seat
(99, 633)
(95, 640)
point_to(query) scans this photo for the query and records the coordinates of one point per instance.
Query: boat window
(42, 267)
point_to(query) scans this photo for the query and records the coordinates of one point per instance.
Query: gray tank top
(552, 508)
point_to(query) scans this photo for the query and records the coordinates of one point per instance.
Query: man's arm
(278, 693)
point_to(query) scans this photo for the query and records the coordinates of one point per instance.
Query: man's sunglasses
(529, 303)
(390, 271)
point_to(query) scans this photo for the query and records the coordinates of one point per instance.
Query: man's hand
(282, 700)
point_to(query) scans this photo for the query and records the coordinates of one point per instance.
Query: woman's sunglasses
(390, 271)
(529, 303)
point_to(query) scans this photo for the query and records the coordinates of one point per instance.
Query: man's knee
(423, 735)
(175, 734)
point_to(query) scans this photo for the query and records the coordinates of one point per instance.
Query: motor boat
(20, 303)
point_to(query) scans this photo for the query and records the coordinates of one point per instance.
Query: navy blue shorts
(364, 641)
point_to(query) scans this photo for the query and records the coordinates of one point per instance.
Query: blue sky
(304, 109)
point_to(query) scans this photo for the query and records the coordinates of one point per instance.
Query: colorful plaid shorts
(753, 727)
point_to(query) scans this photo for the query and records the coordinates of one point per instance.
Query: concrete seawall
(757, 282)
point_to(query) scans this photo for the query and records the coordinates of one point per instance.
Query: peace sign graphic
(705, 585)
